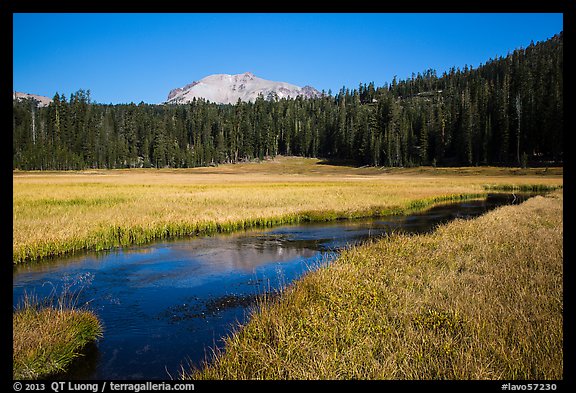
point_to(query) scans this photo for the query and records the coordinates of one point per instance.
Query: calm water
(166, 304)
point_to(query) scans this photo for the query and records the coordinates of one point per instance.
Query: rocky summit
(41, 101)
(228, 89)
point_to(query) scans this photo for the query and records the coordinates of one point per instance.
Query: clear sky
(126, 58)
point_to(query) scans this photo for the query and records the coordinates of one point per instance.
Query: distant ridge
(228, 89)
(41, 101)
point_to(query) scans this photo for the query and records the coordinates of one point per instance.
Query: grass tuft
(48, 335)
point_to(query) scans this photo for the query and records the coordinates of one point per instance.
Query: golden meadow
(56, 213)
(476, 299)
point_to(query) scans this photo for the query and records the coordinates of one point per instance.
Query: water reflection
(166, 303)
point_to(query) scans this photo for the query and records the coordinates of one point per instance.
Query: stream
(164, 305)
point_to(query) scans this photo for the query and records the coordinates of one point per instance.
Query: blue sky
(126, 58)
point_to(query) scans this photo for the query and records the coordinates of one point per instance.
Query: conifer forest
(508, 112)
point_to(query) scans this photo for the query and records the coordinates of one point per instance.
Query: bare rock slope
(228, 89)
(41, 101)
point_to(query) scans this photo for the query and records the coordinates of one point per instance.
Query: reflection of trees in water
(428, 220)
(249, 251)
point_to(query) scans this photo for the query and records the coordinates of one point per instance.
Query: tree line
(508, 111)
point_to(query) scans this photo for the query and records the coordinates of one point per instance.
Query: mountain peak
(41, 101)
(228, 89)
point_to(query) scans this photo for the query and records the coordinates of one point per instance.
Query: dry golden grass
(61, 212)
(46, 340)
(477, 299)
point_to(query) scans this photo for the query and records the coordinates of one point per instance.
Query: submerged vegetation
(476, 299)
(348, 320)
(397, 308)
(58, 213)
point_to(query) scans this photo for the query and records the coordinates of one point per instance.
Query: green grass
(121, 235)
(59, 213)
(47, 339)
(522, 187)
(476, 299)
